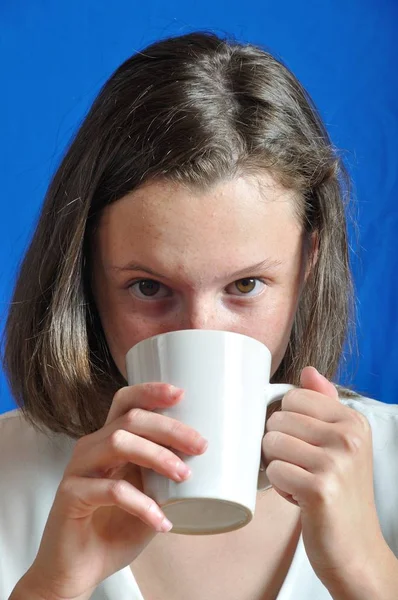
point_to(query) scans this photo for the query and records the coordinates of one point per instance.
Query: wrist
(25, 591)
(29, 588)
(377, 579)
(383, 578)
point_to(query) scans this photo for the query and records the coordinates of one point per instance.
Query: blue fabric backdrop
(54, 56)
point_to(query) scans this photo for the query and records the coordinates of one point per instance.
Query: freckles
(130, 328)
(134, 328)
(274, 328)
(122, 332)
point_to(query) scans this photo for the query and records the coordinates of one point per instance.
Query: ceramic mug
(225, 377)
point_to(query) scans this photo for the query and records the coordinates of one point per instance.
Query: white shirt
(32, 465)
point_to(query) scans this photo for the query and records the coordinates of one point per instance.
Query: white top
(32, 465)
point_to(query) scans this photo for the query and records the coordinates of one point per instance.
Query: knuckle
(67, 487)
(150, 506)
(361, 422)
(134, 416)
(176, 428)
(163, 454)
(117, 440)
(119, 395)
(291, 397)
(277, 417)
(351, 441)
(324, 489)
(272, 468)
(271, 439)
(117, 490)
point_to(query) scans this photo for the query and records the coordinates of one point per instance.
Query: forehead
(228, 223)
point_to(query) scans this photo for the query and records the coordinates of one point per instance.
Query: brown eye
(248, 286)
(149, 288)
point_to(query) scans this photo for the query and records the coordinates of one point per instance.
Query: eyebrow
(266, 264)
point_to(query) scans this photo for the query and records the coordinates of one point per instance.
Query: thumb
(311, 379)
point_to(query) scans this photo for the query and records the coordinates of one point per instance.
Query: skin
(199, 249)
(197, 243)
(193, 245)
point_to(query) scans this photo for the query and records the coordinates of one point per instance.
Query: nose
(203, 314)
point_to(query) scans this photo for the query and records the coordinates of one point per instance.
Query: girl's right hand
(101, 520)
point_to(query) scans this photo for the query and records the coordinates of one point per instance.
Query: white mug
(225, 377)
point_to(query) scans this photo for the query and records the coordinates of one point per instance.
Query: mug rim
(198, 332)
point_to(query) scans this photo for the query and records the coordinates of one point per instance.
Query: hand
(101, 520)
(319, 457)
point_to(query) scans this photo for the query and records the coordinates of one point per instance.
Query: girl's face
(169, 258)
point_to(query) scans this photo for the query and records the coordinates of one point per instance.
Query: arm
(28, 588)
(380, 581)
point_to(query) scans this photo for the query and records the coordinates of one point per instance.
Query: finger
(279, 446)
(311, 379)
(313, 404)
(157, 428)
(284, 495)
(342, 437)
(122, 447)
(146, 395)
(292, 480)
(80, 497)
(310, 430)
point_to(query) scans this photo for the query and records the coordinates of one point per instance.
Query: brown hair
(193, 109)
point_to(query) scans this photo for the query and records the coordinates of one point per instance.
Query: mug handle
(274, 392)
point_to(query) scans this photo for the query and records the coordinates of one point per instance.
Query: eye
(248, 286)
(149, 288)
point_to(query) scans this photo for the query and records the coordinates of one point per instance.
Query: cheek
(283, 321)
(283, 328)
(274, 326)
(123, 331)
(280, 340)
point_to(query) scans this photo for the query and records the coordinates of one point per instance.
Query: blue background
(54, 56)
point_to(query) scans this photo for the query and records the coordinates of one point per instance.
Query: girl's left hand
(319, 457)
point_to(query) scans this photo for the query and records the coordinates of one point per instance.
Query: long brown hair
(194, 109)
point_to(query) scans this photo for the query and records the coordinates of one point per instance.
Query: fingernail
(200, 445)
(165, 525)
(180, 469)
(173, 393)
(316, 370)
(183, 470)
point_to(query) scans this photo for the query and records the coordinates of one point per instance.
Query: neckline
(288, 590)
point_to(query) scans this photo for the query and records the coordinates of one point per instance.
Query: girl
(201, 191)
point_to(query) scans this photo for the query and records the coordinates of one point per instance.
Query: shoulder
(23, 446)
(382, 417)
(31, 467)
(31, 461)
(383, 420)
(370, 406)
